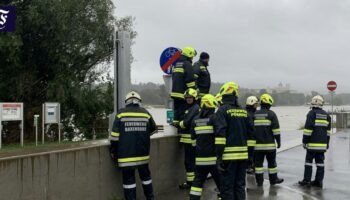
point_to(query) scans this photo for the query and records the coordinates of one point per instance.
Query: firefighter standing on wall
(267, 133)
(251, 106)
(130, 145)
(184, 128)
(233, 130)
(203, 133)
(183, 78)
(316, 141)
(202, 74)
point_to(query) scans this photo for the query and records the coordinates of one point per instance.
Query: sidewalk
(291, 165)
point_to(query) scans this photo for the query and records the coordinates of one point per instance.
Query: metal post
(43, 125)
(22, 127)
(0, 134)
(332, 117)
(59, 123)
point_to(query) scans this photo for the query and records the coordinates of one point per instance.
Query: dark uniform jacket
(317, 130)
(130, 136)
(267, 129)
(186, 122)
(251, 138)
(203, 133)
(233, 130)
(202, 76)
(182, 77)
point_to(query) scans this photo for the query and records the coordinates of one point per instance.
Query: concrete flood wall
(85, 174)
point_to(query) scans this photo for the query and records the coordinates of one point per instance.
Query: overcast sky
(256, 43)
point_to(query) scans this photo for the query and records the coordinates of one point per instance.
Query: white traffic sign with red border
(332, 86)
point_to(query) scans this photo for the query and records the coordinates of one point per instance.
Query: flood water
(290, 117)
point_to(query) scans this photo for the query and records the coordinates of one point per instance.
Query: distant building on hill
(280, 88)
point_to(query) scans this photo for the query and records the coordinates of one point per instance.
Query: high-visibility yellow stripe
(182, 125)
(115, 134)
(321, 121)
(251, 143)
(177, 95)
(202, 67)
(134, 159)
(133, 114)
(235, 156)
(201, 128)
(199, 159)
(196, 189)
(220, 140)
(187, 141)
(262, 121)
(233, 149)
(191, 84)
(307, 131)
(185, 135)
(178, 70)
(316, 145)
(276, 130)
(196, 76)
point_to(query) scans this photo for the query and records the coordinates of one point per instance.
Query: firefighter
(251, 106)
(184, 127)
(316, 141)
(202, 74)
(183, 78)
(203, 133)
(130, 145)
(232, 132)
(267, 134)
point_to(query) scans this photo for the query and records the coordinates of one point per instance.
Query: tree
(55, 53)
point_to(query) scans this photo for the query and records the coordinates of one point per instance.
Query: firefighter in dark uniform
(202, 74)
(251, 106)
(183, 78)
(184, 127)
(203, 133)
(267, 134)
(316, 141)
(130, 145)
(232, 132)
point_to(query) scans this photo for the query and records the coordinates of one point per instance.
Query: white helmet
(132, 95)
(317, 101)
(252, 100)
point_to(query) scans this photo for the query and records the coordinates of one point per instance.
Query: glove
(114, 157)
(278, 145)
(176, 125)
(220, 165)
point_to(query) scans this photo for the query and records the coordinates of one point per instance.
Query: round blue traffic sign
(168, 59)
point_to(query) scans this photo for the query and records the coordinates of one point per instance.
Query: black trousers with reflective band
(259, 157)
(189, 162)
(129, 182)
(201, 176)
(232, 180)
(319, 159)
(179, 108)
(250, 157)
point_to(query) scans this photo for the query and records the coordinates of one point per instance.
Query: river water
(290, 117)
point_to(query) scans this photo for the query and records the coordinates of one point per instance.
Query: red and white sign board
(11, 111)
(332, 86)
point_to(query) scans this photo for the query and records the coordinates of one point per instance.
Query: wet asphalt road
(291, 167)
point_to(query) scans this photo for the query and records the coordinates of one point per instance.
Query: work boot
(185, 186)
(250, 171)
(277, 181)
(219, 197)
(304, 183)
(317, 184)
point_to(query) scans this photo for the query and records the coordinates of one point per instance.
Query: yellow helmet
(266, 99)
(229, 88)
(191, 93)
(189, 52)
(209, 101)
(218, 98)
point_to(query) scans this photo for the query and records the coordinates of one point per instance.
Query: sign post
(51, 115)
(36, 128)
(332, 86)
(11, 112)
